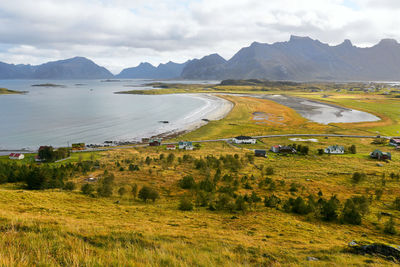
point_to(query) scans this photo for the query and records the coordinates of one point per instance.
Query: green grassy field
(55, 227)
(4, 91)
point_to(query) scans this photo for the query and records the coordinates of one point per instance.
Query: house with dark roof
(241, 139)
(377, 154)
(260, 153)
(155, 142)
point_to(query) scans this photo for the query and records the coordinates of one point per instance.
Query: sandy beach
(216, 108)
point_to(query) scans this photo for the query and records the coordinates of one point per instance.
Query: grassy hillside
(229, 224)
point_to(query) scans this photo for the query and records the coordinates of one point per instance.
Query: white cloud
(122, 33)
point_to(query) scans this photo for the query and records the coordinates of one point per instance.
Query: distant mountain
(145, 70)
(209, 66)
(73, 68)
(302, 59)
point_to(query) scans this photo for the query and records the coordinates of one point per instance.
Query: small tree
(148, 193)
(353, 149)
(70, 186)
(87, 189)
(122, 191)
(320, 151)
(269, 171)
(187, 182)
(390, 227)
(185, 204)
(134, 191)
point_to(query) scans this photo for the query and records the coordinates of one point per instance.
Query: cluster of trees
(105, 188)
(49, 154)
(44, 176)
(302, 149)
(351, 211)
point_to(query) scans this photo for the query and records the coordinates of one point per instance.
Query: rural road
(227, 139)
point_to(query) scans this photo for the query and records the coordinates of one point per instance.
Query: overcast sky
(123, 33)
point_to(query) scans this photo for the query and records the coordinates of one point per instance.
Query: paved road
(227, 139)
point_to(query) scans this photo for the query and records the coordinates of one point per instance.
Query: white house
(171, 147)
(18, 156)
(244, 140)
(334, 150)
(185, 145)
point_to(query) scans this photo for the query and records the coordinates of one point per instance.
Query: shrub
(187, 182)
(148, 193)
(350, 213)
(70, 186)
(358, 177)
(134, 190)
(390, 227)
(272, 201)
(87, 189)
(122, 191)
(105, 187)
(329, 209)
(269, 171)
(185, 204)
(396, 203)
(353, 149)
(320, 151)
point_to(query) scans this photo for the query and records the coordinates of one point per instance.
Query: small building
(38, 159)
(334, 150)
(78, 146)
(377, 154)
(283, 149)
(17, 156)
(394, 142)
(260, 153)
(244, 140)
(187, 145)
(155, 142)
(171, 147)
(275, 148)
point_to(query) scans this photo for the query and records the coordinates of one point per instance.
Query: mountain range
(299, 59)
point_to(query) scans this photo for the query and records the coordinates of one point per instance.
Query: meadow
(228, 223)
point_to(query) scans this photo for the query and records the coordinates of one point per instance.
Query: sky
(122, 33)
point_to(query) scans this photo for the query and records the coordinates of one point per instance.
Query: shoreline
(215, 108)
(220, 111)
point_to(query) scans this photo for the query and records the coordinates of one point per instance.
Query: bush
(269, 171)
(353, 149)
(185, 204)
(320, 151)
(396, 203)
(187, 182)
(358, 177)
(70, 186)
(87, 189)
(389, 227)
(329, 209)
(272, 201)
(122, 191)
(350, 213)
(148, 193)
(134, 190)
(105, 187)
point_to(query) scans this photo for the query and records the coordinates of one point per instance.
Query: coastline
(220, 108)
(215, 108)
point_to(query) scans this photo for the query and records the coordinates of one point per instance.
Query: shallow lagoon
(321, 112)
